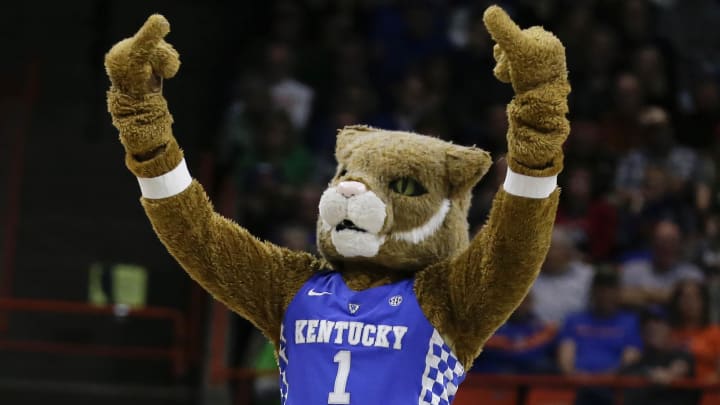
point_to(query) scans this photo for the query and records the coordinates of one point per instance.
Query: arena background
(93, 309)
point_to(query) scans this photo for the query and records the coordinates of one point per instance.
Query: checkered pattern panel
(282, 364)
(443, 374)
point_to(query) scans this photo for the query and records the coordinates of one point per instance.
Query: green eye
(407, 186)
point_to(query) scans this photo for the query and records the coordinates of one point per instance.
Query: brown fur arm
(470, 296)
(474, 293)
(255, 279)
(533, 61)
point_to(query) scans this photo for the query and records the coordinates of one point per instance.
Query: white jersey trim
(442, 368)
(282, 365)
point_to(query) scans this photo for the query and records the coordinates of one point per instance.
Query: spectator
(588, 215)
(707, 254)
(650, 66)
(701, 125)
(592, 96)
(656, 147)
(474, 88)
(682, 169)
(413, 99)
(689, 311)
(603, 338)
(495, 125)
(662, 362)
(637, 23)
(241, 126)
(308, 198)
(287, 92)
(577, 31)
(586, 148)
(404, 35)
(563, 285)
(600, 340)
(266, 385)
(650, 280)
(618, 126)
(279, 167)
(708, 249)
(524, 344)
(654, 202)
(348, 109)
(686, 24)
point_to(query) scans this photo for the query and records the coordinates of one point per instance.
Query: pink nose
(351, 188)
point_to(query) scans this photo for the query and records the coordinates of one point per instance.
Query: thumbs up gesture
(533, 61)
(525, 58)
(137, 65)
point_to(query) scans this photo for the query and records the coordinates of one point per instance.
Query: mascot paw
(137, 65)
(533, 61)
(525, 58)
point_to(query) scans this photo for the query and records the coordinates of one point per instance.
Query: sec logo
(395, 300)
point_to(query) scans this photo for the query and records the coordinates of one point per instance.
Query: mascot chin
(399, 301)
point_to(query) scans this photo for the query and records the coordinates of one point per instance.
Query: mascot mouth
(348, 225)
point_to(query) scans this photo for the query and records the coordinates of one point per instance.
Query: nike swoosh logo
(314, 293)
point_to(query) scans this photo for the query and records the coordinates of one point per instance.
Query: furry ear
(465, 167)
(346, 135)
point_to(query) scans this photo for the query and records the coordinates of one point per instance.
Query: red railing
(478, 389)
(16, 165)
(176, 353)
(580, 381)
(488, 389)
(186, 338)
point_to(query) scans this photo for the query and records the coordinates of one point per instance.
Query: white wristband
(167, 185)
(528, 186)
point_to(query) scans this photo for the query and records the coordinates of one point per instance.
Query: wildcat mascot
(400, 301)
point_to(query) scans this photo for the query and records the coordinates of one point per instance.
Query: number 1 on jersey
(339, 395)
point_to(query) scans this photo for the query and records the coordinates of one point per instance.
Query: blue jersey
(340, 346)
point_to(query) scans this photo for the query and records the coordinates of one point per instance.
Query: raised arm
(488, 280)
(253, 278)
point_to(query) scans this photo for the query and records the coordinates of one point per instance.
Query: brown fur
(471, 294)
(533, 61)
(466, 289)
(375, 157)
(137, 65)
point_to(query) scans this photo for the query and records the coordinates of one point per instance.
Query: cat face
(398, 200)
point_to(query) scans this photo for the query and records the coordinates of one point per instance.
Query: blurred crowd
(632, 280)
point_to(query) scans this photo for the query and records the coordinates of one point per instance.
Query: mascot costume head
(398, 201)
(398, 285)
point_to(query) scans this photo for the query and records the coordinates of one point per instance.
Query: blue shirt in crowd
(520, 347)
(600, 341)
